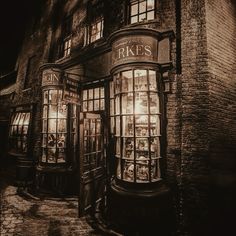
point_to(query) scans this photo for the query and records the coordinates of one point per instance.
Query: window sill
(145, 22)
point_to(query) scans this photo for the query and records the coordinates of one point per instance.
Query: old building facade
(133, 98)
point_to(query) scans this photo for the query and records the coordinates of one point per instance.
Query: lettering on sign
(50, 78)
(134, 48)
(70, 91)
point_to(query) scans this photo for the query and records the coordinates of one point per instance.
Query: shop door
(92, 163)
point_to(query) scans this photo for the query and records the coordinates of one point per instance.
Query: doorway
(92, 162)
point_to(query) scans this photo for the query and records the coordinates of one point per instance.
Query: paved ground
(27, 215)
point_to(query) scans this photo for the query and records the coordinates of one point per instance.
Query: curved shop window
(136, 124)
(58, 127)
(18, 132)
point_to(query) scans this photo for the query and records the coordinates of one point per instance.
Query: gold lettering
(129, 50)
(148, 51)
(139, 50)
(121, 51)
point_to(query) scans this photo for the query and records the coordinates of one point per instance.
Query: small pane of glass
(152, 80)
(150, 15)
(142, 17)
(127, 81)
(134, 19)
(128, 127)
(150, 4)
(128, 173)
(134, 9)
(117, 100)
(154, 103)
(52, 124)
(142, 7)
(52, 155)
(127, 103)
(117, 125)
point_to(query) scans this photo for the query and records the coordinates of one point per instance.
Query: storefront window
(135, 122)
(93, 99)
(55, 127)
(18, 133)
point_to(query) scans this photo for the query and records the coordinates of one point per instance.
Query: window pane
(154, 103)
(128, 128)
(134, 9)
(152, 80)
(127, 103)
(127, 81)
(134, 19)
(142, 7)
(150, 15)
(142, 17)
(150, 4)
(52, 155)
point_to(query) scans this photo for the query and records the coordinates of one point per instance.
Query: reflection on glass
(154, 103)
(128, 126)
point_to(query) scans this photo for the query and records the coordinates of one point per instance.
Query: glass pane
(102, 94)
(52, 155)
(128, 173)
(62, 110)
(24, 129)
(96, 105)
(117, 85)
(45, 111)
(85, 106)
(117, 125)
(152, 80)
(117, 146)
(111, 89)
(74, 126)
(155, 124)
(74, 111)
(150, 15)
(61, 155)
(141, 103)
(141, 125)
(142, 170)
(52, 140)
(127, 103)
(53, 96)
(98, 127)
(134, 19)
(134, 9)
(85, 92)
(24, 144)
(142, 7)
(112, 125)
(90, 105)
(90, 93)
(112, 107)
(150, 4)
(61, 126)
(21, 119)
(155, 147)
(127, 81)
(27, 118)
(52, 124)
(93, 144)
(102, 106)
(154, 103)
(61, 140)
(117, 104)
(142, 17)
(44, 140)
(96, 93)
(93, 127)
(140, 79)
(142, 145)
(128, 148)
(52, 111)
(128, 127)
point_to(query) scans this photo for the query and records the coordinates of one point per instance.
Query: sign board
(51, 77)
(134, 49)
(70, 91)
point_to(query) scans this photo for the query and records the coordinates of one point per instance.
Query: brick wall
(195, 113)
(221, 33)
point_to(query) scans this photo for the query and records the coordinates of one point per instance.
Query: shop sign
(134, 48)
(51, 77)
(70, 91)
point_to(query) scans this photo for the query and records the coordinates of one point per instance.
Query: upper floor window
(65, 48)
(95, 30)
(18, 132)
(140, 10)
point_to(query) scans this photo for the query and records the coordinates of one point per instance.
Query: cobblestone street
(23, 214)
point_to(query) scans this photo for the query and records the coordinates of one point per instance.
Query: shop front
(140, 198)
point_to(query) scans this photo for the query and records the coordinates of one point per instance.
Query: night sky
(14, 17)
